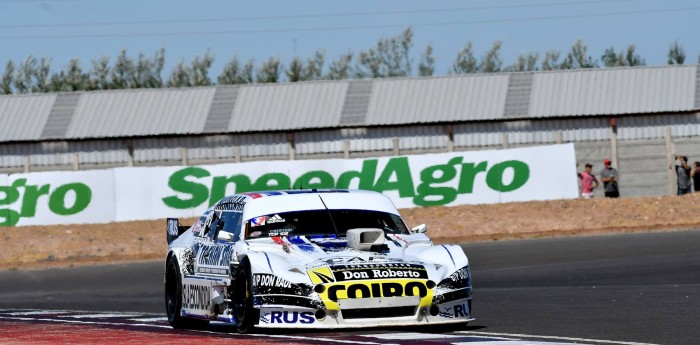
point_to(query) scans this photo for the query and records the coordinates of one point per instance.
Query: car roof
(256, 204)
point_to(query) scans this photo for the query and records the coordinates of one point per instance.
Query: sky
(87, 29)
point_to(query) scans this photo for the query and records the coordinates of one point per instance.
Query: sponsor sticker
(255, 234)
(195, 297)
(321, 275)
(275, 219)
(287, 317)
(279, 232)
(257, 221)
(214, 255)
(455, 311)
(378, 271)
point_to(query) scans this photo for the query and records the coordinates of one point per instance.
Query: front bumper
(375, 313)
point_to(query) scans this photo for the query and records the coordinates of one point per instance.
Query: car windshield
(319, 222)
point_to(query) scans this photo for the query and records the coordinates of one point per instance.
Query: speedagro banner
(46, 198)
(419, 180)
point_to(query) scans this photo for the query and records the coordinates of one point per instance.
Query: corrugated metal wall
(443, 99)
(140, 112)
(24, 117)
(613, 91)
(288, 106)
(330, 105)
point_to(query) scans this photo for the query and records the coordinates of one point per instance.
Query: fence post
(670, 174)
(346, 149)
(129, 154)
(450, 139)
(76, 161)
(237, 152)
(504, 140)
(26, 164)
(558, 137)
(184, 156)
(397, 151)
(613, 147)
(292, 146)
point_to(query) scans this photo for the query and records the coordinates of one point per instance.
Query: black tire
(173, 298)
(246, 316)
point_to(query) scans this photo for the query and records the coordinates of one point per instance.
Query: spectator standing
(609, 177)
(682, 174)
(589, 182)
(695, 174)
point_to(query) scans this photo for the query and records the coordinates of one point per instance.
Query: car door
(213, 255)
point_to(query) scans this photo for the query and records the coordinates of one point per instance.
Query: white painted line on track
(149, 319)
(410, 336)
(36, 312)
(510, 342)
(597, 341)
(100, 316)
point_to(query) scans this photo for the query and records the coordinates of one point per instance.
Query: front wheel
(246, 316)
(173, 298)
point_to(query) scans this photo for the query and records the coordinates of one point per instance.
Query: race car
(311, 259)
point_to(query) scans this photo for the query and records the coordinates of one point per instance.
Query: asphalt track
(634, 288)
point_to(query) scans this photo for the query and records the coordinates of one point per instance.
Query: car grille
(372, 313)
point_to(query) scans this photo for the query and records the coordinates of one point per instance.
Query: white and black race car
(311, 259)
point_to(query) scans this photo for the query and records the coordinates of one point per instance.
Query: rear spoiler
(174, 229)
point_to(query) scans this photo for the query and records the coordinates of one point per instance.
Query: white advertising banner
(456, 178)
(45, 198)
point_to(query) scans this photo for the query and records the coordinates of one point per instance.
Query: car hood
(404, 255)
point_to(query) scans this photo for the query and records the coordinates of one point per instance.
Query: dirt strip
(67, 245)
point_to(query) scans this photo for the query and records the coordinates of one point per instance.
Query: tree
(627, 57)
(389, 58)
(676, 54)
(23, 75)
(41, 76)
(525, 63)
(122, 75)
(550, 61)
(368, 64)
(57, 82)
(578, 57)
(231, 73)
(610, 58)
(180, 76)
(99, 74)
(426, 66)
(340, 68)
(148, 71)
(296, 71)
(8, 78)
(158, 65)
(491, 61)
(465, 62)
(269, 71)
(75, 79)
(247, 72)
(314, 66)
(200, 69)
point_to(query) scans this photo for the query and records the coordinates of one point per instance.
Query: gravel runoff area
(31, 247)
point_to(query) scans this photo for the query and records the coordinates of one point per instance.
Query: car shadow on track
(439, 328)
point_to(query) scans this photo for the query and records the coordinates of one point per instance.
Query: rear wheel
(246, 316)
(173, 298)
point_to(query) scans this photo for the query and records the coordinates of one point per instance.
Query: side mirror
(225, 236)
(419, 229)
